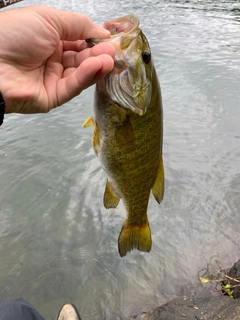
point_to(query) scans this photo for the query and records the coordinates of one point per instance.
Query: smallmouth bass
(128, 131)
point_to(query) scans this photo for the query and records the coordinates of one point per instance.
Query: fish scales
(128, 135)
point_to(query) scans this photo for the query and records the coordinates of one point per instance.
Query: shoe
(68, 312)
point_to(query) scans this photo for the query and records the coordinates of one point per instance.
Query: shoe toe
(68, 312)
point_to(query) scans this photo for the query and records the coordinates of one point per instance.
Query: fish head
(129, 84)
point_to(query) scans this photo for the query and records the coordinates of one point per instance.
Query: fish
(128, 131)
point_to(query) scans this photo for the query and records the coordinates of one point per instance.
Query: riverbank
(225, 307)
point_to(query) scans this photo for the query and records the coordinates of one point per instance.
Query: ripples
(209, 6)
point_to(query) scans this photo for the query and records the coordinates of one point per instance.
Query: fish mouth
(121, 26)
(126, 24)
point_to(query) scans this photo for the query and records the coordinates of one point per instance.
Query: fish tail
(134, 237)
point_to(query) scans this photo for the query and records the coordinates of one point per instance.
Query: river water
(57, 241)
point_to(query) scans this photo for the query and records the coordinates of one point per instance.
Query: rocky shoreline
(224, 306)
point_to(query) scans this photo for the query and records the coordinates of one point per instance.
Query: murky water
(57, 241)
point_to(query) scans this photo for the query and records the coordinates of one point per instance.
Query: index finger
(78, 45)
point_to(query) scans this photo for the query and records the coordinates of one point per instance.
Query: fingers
(89, 72)
(77, 46)
(72, 59)
(71, 26)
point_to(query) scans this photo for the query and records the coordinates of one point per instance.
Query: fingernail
(107, 32)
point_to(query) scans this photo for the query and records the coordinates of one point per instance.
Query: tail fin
(134, 237)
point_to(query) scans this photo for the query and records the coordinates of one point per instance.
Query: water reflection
(58, 243)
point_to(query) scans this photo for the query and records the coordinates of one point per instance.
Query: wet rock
(234, 273)
(209, 308)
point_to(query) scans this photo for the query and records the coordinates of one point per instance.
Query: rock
(234, 273)
(209, 308)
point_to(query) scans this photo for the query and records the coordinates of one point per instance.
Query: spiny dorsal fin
(110, 199)
(134, 237)
(158, 187)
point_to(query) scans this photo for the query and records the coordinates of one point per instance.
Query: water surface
(57, 241)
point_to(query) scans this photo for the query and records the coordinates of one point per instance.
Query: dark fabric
(2, 109)
(4, 4)
(18, 309)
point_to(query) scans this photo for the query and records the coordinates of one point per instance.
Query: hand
(43, 62)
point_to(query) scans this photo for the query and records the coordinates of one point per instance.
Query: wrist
(4, 81)
(2, 109)
(8, 88)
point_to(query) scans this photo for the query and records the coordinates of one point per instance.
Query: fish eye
(146, 56)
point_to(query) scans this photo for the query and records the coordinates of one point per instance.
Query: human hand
(43, 62)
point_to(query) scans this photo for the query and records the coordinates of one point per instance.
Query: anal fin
(110, 199)
(158, 187)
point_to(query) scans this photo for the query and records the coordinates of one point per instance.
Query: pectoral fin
(110, 199)
(158, 187)
(96, 137)
(89, 122)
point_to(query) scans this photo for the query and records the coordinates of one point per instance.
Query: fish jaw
(129, 85)
(133, 96)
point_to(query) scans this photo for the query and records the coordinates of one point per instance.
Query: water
(57, 241)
